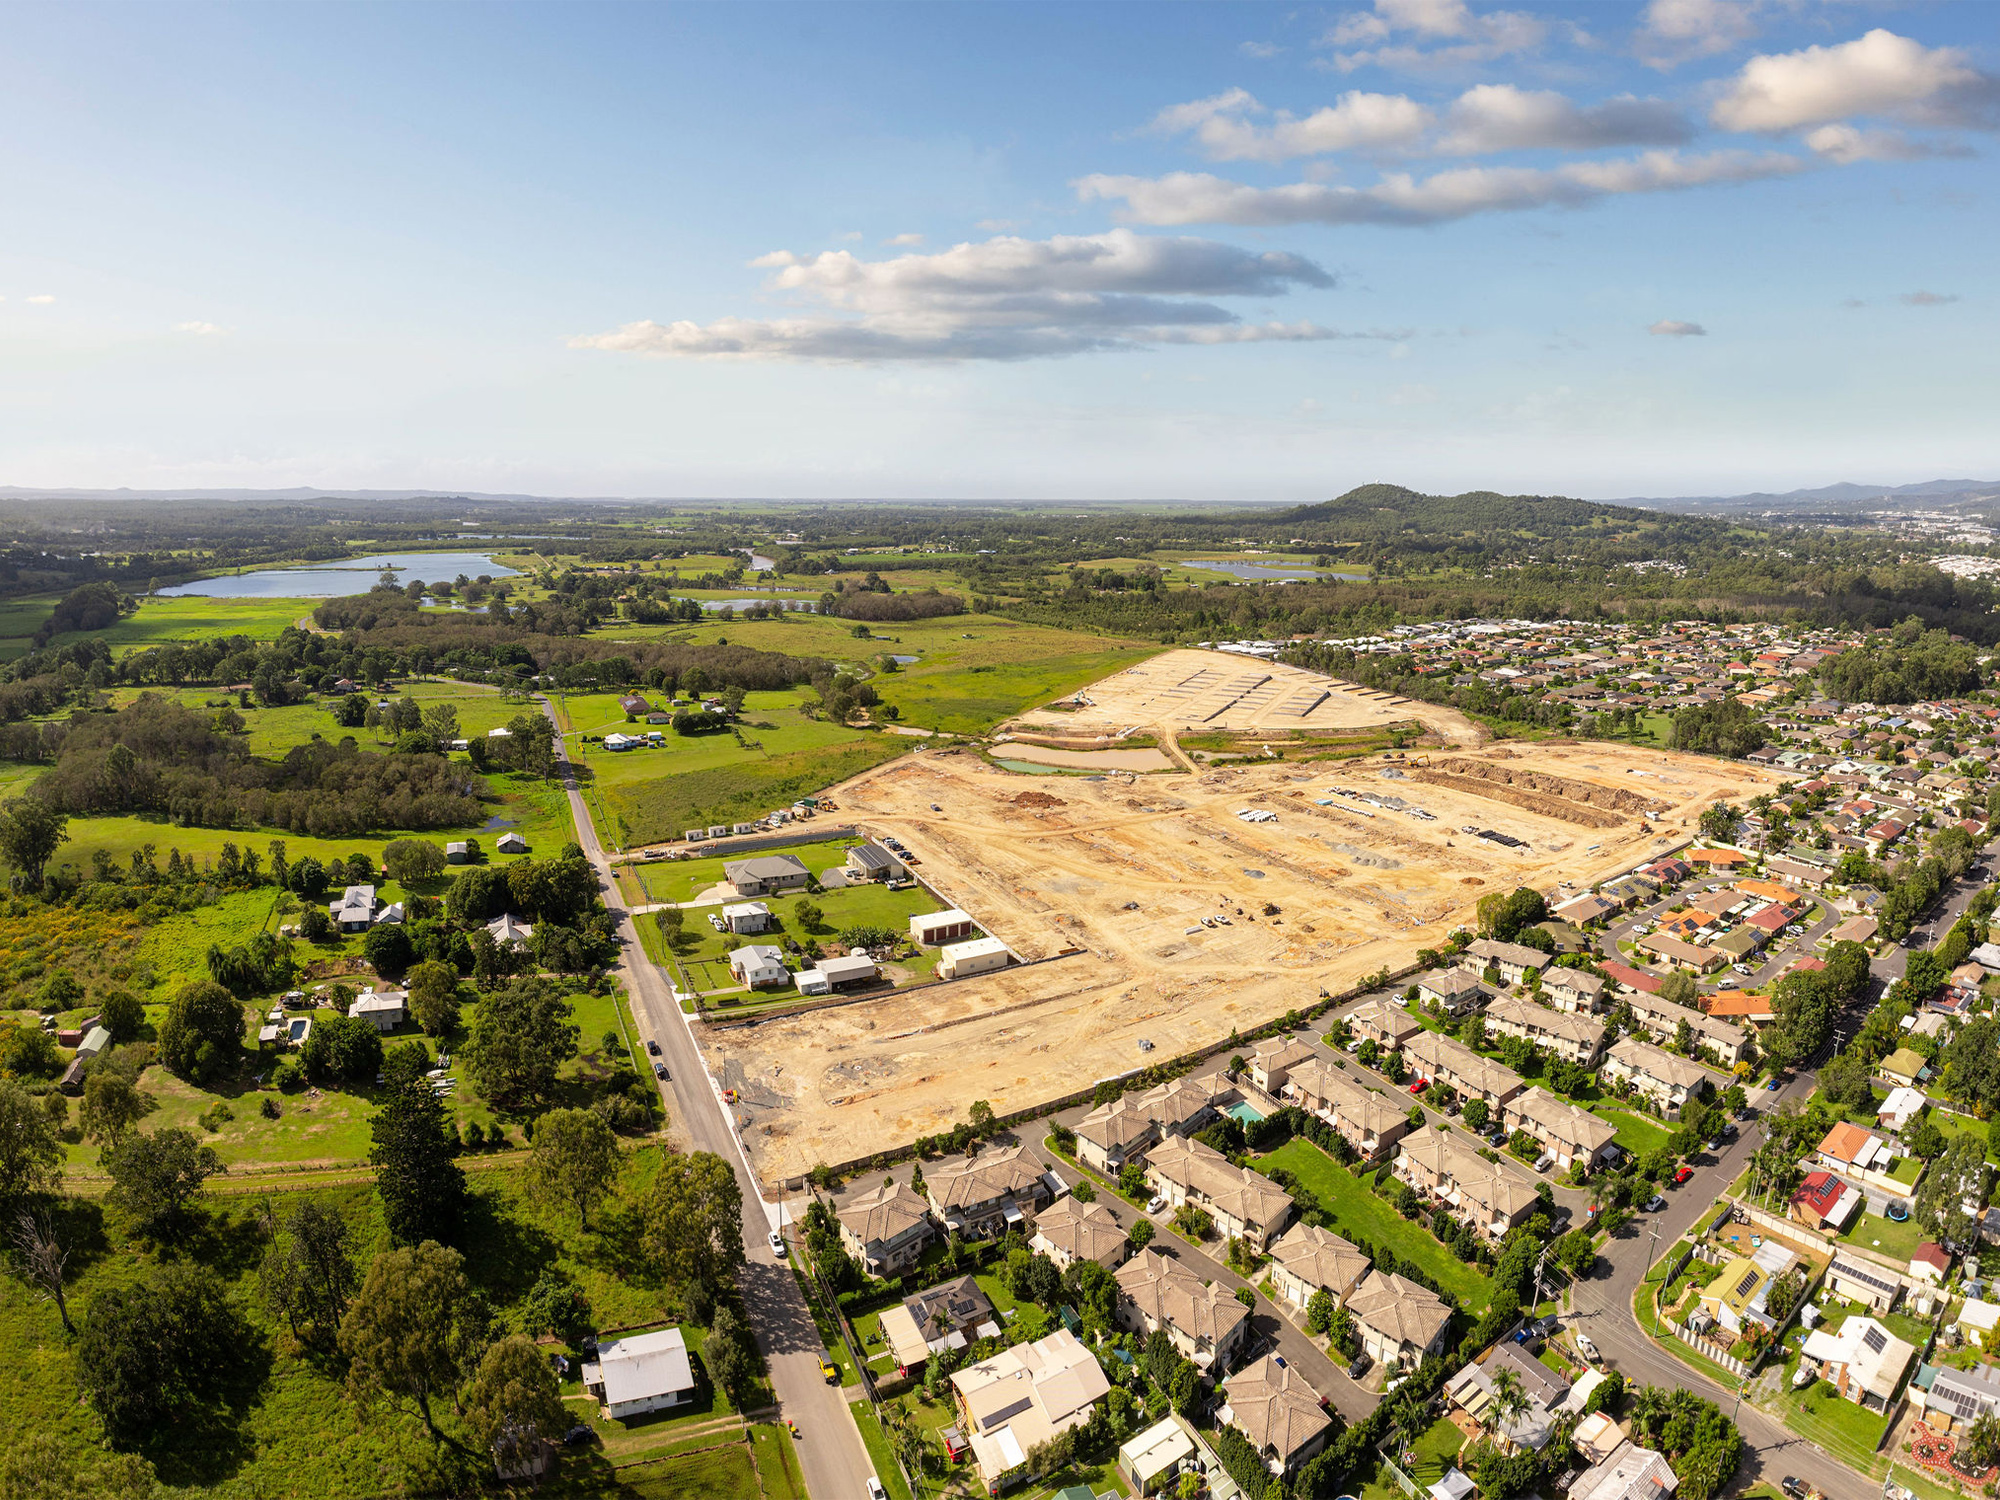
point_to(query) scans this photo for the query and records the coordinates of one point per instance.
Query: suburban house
(1439, 1059)
(1823, 1201)
(937, 927)
(1153, 1462)
(1588, 907)
(1275, 1056)
(355, 910)
(1932, 1263)
(1627, 980)
(973, 956)
(1243, 1203)
(1905, 1066)
(1022, 1397)
(1399, 1322)
(758, 963)
(1457, 990)
(886, 1228)
(1114, 1133)
(981, 1196)
(1667, 1080)
(1473, 1389)
(1869, 1284)
(1272, 1405)
(1679, 953)
(1862, 1156)
(1864, 1361)
(952, 1314)
(458, 852)
(385, 1010)
(1566, 1131)
(1514, 961)
(1958, 1398)
(1629, 1473)
(1387, 1026)
(1663, 1019)
(830, 973)
(1307, 1259)
(509, 930)
(766, 875)
(1069, 1230)
(1487, 1195)
(746, 917)
(1572, 989)
(1369, 1122)
(1204, 1320)
(1571, 1036)
(1738, 1297)
(643, 1373)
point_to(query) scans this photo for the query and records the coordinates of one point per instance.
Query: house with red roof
(1628, 978)
(1823, 1201)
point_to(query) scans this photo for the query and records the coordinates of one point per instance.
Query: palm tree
(1409, 1419)
(1510, 1401)
(1649, 1409)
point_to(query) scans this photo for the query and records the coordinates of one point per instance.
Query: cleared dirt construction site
(1149, 909)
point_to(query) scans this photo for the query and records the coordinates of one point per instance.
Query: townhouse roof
(1507, 953)
(1560, 1120)
(981, 1178)
(1445, 1155)
(879, 1215)
(1399, 1310)
(1275, 1408)
(1432, 1053)
(1179, 1100)
(1319, 1257)
(1657, 1063)
(1580, 1030)
(1082, 1231)
(1114, 1126)
(1168, 1292)
(1237, 1191)
(1369, 1112)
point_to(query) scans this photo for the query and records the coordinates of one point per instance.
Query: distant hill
(1382, 512)
(1835, 499)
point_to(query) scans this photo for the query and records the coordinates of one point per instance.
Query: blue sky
(1228, 252)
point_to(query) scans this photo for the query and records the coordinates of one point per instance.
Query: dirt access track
(1126, 869)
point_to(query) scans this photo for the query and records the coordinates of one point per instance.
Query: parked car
(1729, 1130)
(1358, 1367)
(1156, 1205)
(1791, 1486)
(1773, 1086)
(579, 1435)
(875, 1490)
(777, 1244)
(1417, 1085)
(660, 1071)
(652, 1046)
(1586, 1348)
(1683, 1175)
(1545, 1163)
(1655, 1203)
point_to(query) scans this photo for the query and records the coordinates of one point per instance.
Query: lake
(1265, 571)
(349, 575)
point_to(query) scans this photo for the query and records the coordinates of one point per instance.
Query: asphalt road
(831, 1454)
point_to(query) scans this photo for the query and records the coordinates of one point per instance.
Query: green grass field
(1636, 1132)
(653, 811)
(1891, 1238)
(684, 879)
(1357, 1212)
(160, 621)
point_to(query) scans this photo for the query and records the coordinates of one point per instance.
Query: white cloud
(42, 301)
(1262, 51)
(197, 327)
(1398, 198)
(1845, 144)
(1927, 299)
(1448, 32)
(904, 239)
(1355, 121)
(1674, 31)
(1876, 74)
(1674, 328)
(1003, 299)
(1500, 117)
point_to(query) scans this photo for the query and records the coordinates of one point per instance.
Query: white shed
(980, 956)
(941, 927)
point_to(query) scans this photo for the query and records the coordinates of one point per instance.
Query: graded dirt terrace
(1100, 887)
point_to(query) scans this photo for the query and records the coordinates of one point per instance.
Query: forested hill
(1485, 520)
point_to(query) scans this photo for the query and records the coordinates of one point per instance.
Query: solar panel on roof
(1875, 1339)
(1749, 1280)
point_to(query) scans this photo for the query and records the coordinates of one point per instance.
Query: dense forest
(1910, 665)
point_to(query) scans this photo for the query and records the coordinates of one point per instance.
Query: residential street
(831, 1454)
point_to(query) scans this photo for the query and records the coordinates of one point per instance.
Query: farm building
(941, 927)
(979, 956)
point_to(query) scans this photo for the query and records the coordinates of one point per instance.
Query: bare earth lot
(1126, 868)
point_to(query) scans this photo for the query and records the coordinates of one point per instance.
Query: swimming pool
(1244, 1112)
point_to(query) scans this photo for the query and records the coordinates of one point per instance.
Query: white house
(355, 910)
(644, 1373)
(745, 917)
(385, 1010)
(758, 963)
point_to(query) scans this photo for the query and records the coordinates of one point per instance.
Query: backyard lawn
(1359, 1214)
(1636, 1133)
(1891, 1238)
(1952, 1124)
(1844, 1429)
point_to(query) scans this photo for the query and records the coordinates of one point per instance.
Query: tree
(202, 1031)
(1982, 1441)
(415, 1330)
(412, 860)
(38, 1466)
(155, 1177)
(121, 1014)
(31, 830)
(807, 915)
(1679, 988)
(521, 1036)
(694, 1219)
(434, 997)
(1719, 820)
(1510, 1401)
(30, 1152)
(513, 1402)
(309, 1276)
(555, 1304)
(575, 1161)
(1142, 1234)
(341, 1049)
(1320, 1311)
(388, 948)
(421, 1187)
(1183, 1387)
(1477, 1114)
(1192, 1221)
(112, 1107)
(43, 1261)
(729, 1354)
(152, 1353)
